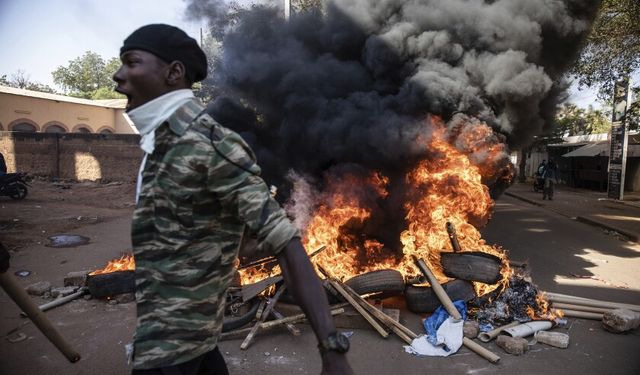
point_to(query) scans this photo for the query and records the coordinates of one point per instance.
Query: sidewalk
(588, 206)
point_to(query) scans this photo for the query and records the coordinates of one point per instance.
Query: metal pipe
(529, 328)
(490, 335)
(59, 301)
(22, 299)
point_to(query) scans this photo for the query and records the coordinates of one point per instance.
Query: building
(583, 161)
(33, 111)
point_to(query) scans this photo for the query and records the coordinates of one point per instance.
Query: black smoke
(355, 82)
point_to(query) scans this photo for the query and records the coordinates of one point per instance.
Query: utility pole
(287, 9)
(618, 139)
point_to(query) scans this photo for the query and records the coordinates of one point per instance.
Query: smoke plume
(357, 83)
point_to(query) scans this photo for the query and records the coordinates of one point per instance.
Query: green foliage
(305, 5)
(572, 120)
(613, 46)
(88, 76)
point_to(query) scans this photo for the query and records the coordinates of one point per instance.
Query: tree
(20, 80)
(612, 50)
(305, 5)
(572, 120)
(88, 76)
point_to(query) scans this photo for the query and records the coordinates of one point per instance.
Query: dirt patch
(59, 208)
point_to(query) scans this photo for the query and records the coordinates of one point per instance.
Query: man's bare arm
(303, 282)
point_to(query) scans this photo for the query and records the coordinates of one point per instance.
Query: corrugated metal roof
(108, 103)
(601, 149)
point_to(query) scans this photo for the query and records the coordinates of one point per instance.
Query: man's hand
(302, 281)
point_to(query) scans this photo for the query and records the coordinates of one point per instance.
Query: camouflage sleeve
(234, 178)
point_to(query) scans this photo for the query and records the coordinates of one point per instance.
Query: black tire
(389, 282)
(422, 299)
(232, 322)
(19, 193)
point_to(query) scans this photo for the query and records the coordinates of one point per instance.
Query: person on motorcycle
(3, 165)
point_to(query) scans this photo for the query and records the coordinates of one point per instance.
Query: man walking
(549, 176)
(198, 192)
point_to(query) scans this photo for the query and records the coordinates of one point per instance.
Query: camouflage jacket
(193, 207)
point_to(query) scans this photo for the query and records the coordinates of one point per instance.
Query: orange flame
(445, 188)
(544, 311)
(124, 263)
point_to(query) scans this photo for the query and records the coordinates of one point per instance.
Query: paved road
(556, 247)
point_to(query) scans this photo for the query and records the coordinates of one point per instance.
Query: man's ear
(175, 73)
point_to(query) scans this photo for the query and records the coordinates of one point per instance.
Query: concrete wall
(105, 157)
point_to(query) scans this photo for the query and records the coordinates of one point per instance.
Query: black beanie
(170, 44)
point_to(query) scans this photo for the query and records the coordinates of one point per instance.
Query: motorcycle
(14, 185)
(538, 182)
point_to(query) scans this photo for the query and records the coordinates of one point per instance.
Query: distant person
(549, 176)
(541, 167)
(3, 165)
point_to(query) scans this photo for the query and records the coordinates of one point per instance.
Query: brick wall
(77, 156)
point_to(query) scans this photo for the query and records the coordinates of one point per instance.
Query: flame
(543, 310)
(445, 188)
(124, 263)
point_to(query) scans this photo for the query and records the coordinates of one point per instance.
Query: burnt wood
(472, 266)
(111, 284)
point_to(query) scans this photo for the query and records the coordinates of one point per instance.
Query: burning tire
(390, 282)
(422, 299)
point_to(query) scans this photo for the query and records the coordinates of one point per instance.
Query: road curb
(524, 199)
(631, 236)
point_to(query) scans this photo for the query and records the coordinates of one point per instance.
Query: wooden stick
(240, 333)
(564, 298)
(403, 332)
(272, 301)
(359, 308)
(451, 309)
(579, 314)
(293, 329)
(569, 306)
(273, 259)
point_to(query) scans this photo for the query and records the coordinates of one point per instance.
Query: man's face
(142, 77)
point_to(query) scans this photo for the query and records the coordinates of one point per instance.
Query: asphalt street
(564, 255)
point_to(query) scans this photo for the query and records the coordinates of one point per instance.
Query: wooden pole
(564, 298)
(569, 306)
(451, 309)
(359, 308)
(403, 332)
(579, 314)
(21, 298)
